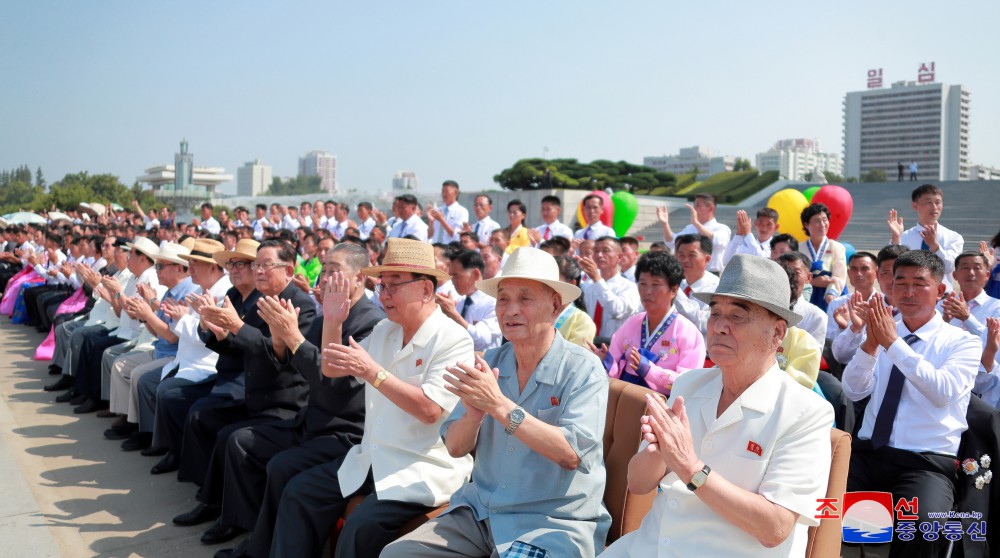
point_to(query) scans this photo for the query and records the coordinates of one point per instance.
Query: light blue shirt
(161, 347)
(526, 496)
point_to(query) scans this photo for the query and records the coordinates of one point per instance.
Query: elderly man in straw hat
(401, 466)
(88, 361)
(188, 376)
(740, 452)
(272, 393)
(533, 411)
(150, 308)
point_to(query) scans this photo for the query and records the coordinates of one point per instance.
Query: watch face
(517, 415)
(699, 478)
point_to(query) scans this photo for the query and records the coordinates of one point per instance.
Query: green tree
(39, 178)
(300, 185)
(833, 178)
(534, 174)
(742, 164)
(874, 175)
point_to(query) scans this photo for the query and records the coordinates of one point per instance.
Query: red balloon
(607, 216)
(841, 205)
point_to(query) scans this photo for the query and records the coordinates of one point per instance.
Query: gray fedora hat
(758, 280)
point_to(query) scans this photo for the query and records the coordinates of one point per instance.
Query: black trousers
(260, 460)
(88, 364)
(928, 477)
(204, 421)
(48, 303)
(31, 295)
(312, 503)
(172, 407)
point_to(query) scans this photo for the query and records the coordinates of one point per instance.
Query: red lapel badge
(554, 400)
(420, 361)
(665, 343)
(754, 447)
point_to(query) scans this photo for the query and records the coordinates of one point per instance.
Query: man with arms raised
(704, 223)
(928, 202)
(740, 452)
(531, 405)
(919, 373)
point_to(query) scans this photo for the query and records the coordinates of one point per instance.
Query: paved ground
(65, 490)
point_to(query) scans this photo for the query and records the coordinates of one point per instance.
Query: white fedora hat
(170, 252)
(758, 280)
(535, 265)
(144, 245)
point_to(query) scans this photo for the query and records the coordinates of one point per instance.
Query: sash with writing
(818, 295)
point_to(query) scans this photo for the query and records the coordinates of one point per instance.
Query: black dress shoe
(154, 451)
(68, 396)
(138, 441)
(62, 383)
(168, 464)
(200, 514)
(219, 533)
(239, 552)
(90, 405)
(122, 432)
(80, 399)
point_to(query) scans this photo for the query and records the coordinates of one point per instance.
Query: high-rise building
(323, 165)
(689, 159)
(910, 122)
(253, 178)
(796, 158)
(404, 180)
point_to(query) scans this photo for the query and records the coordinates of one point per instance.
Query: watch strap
(704, 472)
(380, 377)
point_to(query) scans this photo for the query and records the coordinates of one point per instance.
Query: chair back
(824, 541)
(622, 435)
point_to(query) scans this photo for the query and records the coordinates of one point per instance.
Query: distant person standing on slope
(913, 171)
(899, 173)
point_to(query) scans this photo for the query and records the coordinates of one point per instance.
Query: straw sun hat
(203, 250)
(245, 248)
(403, 255)
(535, 265)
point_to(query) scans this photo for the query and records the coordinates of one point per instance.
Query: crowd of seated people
(300, 367)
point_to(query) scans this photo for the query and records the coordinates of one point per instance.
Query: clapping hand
(301, 282)
(282, 318)
(992, 345)
(954, 306)
(174, 310)
(987, 252)
(589, 266)
(668, 433)
(663, 215)
(476, 386)
(929, 236)
(337, 298)
(348, 360)
(694, 214)
(895, 223)
(743, 224)
(601, 351)
(881, 327)
(224, 318)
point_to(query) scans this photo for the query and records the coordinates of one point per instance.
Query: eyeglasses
(239, 264)
(266, 266)
(391, 289)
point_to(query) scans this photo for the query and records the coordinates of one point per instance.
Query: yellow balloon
(789, 204)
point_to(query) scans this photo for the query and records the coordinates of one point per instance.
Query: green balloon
(626, 208)
(808, 192)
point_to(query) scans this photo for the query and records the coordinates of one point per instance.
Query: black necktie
(890, 403)
(466, 306)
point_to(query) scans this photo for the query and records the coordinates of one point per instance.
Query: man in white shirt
(290, 218)
(630, 254)
(929, 234)
(813, 319)
(919, 373)
(208, 222)
(305, 214)
(402, 466)
(847, 342)
(694, 252)
(365, 220)
(338, 227)
(409, 224)
(484, 225)
(447, 221)
(261, 223)
(492, 258)
(611, 299)
(552, 226)
(744, 242)
(475, 310)
(593, 207)
(703, 222)
(862, 270)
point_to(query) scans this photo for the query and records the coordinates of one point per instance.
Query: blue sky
(459, 89)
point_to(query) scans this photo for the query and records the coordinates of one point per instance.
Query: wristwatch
(514, 419)
(699, 478)
(380, 377)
